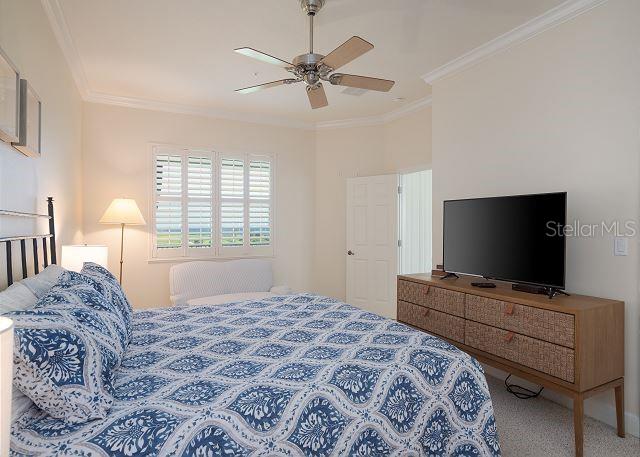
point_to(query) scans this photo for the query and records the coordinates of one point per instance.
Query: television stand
(450, 275)
(571, 345)
(550, 292)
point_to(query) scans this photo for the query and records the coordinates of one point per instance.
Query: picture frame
(30, 131)
(9, 100)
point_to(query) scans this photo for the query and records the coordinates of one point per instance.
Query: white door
(372, 243)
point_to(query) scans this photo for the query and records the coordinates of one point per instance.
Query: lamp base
(121, 251)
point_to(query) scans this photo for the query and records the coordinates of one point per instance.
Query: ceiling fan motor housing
(307, 67)
(311, 7)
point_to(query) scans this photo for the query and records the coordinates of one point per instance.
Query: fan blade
(350, 50)
(362, 82)
(317, 96)
(261, 56)
(252, 89)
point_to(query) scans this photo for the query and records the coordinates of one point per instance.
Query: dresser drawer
(538, 323)
(542, 356)
(432, 321)
(447, 301)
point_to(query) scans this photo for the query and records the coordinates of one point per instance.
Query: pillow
(63, 367)
(111, 289)
(73, 281)
(40, 284)
(75, 290)
(21, 296)
(20, 403)
(16, 297)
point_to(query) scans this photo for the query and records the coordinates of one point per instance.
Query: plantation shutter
(200, 239)
(210, 205)
(246, 220)
(259, 203)
(232, 203)
(168, 205)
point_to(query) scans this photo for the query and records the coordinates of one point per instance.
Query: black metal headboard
(51, 237)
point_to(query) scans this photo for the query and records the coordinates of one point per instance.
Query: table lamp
(74, 256)
(6, 382)
(123, 211)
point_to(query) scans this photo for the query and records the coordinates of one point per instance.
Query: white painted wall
(402, 145)
(27, 39)
(560, 112)
(407, 143)
(116, 151)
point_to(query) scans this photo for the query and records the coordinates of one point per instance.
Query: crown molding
(409, 108)
(60, 29)
(153, 105)
(552, 18)
(556, 16)
(65, 40)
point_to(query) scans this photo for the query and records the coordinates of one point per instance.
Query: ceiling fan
(314, 68)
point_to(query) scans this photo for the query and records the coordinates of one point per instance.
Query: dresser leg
(620, 409)
(578, 418)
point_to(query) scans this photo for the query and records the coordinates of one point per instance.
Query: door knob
(350, 252)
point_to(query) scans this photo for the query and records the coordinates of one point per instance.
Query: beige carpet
(541, 428)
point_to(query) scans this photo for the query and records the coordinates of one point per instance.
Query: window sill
(209, 258)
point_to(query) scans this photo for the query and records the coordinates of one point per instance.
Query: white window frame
(217, 251)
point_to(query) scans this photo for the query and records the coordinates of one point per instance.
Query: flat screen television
(513, 238)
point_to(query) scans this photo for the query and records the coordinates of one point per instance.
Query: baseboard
(595, 407)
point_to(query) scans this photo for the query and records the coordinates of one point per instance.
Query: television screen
(517, 238)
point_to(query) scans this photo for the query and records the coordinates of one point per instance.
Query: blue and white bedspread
(288, 376)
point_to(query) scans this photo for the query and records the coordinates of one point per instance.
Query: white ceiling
(181, 51)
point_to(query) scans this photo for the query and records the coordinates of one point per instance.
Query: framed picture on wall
(9, 100)
(30, 130)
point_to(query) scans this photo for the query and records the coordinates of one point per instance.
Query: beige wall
(25, 183)
(116, 148)
(311, 173)
(407, 143)
(402, 145)
(560, 112)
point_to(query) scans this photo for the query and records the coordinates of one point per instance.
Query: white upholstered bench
(216, 282)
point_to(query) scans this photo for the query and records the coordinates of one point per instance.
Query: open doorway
(414, 223)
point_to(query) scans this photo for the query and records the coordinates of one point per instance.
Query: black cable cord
(521, 392)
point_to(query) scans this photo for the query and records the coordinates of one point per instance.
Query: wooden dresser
(573, 345)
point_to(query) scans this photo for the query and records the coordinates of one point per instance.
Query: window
(208, 204)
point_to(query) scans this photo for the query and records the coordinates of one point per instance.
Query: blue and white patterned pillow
(112, 290)
(65, 368)
(74, 290)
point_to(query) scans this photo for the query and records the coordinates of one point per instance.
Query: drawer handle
(509, 309)
(426, 312)
(426, 290)
(508, 337)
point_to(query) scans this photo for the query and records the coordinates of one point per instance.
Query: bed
(281, 375)
(288, 375)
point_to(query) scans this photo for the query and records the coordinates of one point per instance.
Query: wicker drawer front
(538, 323)
(548, 358)
(432, 321)
(447, 301)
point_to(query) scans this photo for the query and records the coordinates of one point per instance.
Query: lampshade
(123, 211)
(6, 382)
(74, 256)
